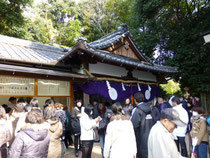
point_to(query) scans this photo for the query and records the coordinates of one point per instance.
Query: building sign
(16, 86)
(53, 88)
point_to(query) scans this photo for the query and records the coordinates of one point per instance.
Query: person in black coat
(102, 125)
(68, 139)
(75, 116)
(142, 121)
(154, 112)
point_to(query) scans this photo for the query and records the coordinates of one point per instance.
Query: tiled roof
(111, 38)
(15, 49)
(104, 56)
(26, 51)
(114, 37)
(115, 59)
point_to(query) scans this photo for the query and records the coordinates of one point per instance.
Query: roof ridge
(122, 30)
(114, 37)
(126, 60)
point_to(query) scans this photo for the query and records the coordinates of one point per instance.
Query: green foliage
(175, 27)
(171, 87)
(63, 21)
(55, 23)
(68, 34)
(96, 19)
(11, 18)
(171, 27)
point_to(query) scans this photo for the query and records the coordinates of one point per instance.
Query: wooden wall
(125, 48)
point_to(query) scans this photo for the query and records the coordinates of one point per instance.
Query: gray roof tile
(105, 56)
(17, 49)
(114, 37)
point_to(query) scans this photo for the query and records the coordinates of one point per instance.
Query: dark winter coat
(142, 122)
(95, 111)
(68, 120)
(75, 122)
(103, 123)
(155, 114)
(75, 112)
(31, 142)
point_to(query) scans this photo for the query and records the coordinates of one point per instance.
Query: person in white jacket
(87, 133)
(180, 132)
(161, 141)
(120, 139)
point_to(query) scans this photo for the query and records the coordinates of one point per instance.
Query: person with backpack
(76, 115)
(142, 121)
(68, 139)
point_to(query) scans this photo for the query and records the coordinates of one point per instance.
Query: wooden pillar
(208, 102)
(71, 97)
(205, 101)
(86, 99)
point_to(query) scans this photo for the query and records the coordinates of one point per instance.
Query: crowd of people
(30, 132)
(133, 129)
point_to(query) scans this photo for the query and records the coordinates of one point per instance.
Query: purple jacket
(30, 144)
(163, 106)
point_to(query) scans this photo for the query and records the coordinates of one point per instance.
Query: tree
(171, 87)
(54, 22)
(11, 18)
(174, 28)
(68, 34)
(100, 17)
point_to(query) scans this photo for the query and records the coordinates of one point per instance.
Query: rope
(91, 75)
(118, 80)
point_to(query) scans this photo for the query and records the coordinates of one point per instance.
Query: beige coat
(199, 129)
(5, 135)
(55, 133)
(18, 121)
(161, 143)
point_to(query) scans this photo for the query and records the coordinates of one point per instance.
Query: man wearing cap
(161, 141)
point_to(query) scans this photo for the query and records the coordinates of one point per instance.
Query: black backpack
(75, 124)
(102, 125)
